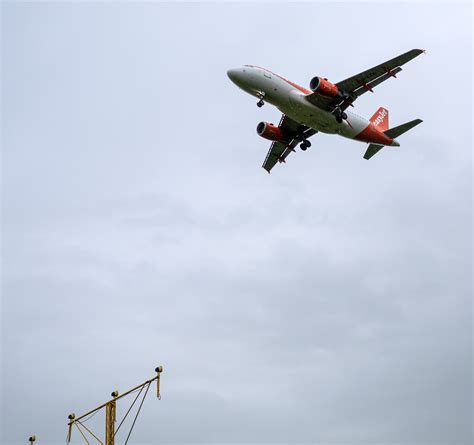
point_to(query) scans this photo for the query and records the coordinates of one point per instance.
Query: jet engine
(270, 131)
(324, 87)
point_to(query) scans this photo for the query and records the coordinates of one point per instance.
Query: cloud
(327, 302)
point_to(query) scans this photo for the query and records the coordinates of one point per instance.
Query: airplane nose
(232, 74)
(237, 75)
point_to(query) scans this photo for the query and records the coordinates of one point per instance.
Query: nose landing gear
(260, 103)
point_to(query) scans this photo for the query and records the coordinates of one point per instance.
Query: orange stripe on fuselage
(302, 89)
(373, 135)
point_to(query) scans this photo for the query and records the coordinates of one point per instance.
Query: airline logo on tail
(380, 119)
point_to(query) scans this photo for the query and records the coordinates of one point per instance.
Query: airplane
(322, 108)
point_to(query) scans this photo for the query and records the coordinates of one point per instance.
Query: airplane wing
(280, 150)
(355, 86)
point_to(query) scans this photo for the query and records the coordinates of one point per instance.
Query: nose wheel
(261, 96)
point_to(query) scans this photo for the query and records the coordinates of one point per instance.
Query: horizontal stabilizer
(397, 131)
(372, 150)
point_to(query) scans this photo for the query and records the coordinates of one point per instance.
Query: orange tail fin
(380, 119)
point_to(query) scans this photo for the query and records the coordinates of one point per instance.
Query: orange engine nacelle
(270, 131)
(324, 87)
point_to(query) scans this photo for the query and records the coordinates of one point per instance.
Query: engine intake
(269, 131)
(324, 87)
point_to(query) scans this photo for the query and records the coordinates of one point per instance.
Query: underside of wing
(274, 155)
(279, 150)
(363, 79)
(323, 102)
(354, 86)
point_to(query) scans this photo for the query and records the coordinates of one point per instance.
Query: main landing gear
(305, 144)
(340, 115)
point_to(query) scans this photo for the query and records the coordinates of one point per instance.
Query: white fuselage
(290, 99)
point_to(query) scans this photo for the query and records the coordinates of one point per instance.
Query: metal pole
(158, 370)
(71, 417)
(110, 417)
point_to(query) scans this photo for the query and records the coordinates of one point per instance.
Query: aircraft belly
(311, 117)
(302, 111)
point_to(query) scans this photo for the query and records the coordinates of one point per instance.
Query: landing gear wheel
(344, 115)
(260, 103)
(304, 145)
(339, 119)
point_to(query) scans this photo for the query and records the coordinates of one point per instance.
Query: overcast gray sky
(327, 302)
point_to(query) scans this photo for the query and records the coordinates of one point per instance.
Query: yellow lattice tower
(111, 413)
